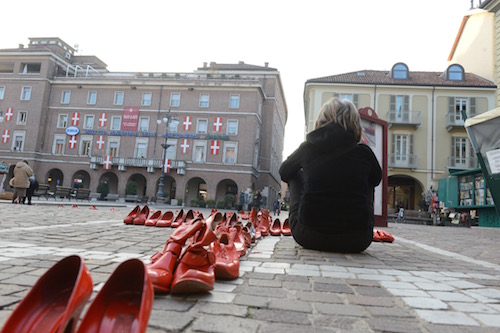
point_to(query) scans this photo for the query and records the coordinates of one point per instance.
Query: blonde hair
(341, 112)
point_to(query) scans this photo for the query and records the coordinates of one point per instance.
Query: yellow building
(426, 136)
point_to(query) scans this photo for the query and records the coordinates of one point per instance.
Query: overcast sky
(302, 39)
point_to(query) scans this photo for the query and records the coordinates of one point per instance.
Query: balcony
(150, 164)
(411, 118)
(408, 161)
(453, 120)
(462, 162)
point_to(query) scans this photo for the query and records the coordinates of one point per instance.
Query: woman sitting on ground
(331, 179)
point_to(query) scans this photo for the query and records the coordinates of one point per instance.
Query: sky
(301, 39)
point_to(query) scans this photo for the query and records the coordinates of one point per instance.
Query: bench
(61, 192)
(43, 190)
(112, 197)
(81, 194)
(136, 198)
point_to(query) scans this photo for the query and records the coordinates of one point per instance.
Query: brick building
(78, 124)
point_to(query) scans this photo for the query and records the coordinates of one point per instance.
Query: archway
(81, 179)
(404, 192)
(224, 187)
(112, 180)
(140, 182)
(55, 177)
(169, 187)
(196, 189)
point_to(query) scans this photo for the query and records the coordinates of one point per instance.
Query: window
(143, 124)
(59, 142)
(172, 125)
(7, 67)
(85, 145)
(115, 123)
(18, 142)
(400, 106)
(461, 152)
(455, 73)
(26, 94)
(172, 149)
(230, 149)
(62, 121)
(113, 146)
(2, 92)
(234, 101)
(92, 97)
(118, 98)
(402, 151)
(204, 99)
(400, 71)
(146, 99)
(232, 127)
(460, 104)
(31, 68)
(22, 117)
(141, 148)
(88, 122)
(202, 126)
(65, 96)
(199, 151)
(175, 99)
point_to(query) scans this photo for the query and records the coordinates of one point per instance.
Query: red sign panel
(130, 118)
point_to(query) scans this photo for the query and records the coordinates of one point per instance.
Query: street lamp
(160, 195)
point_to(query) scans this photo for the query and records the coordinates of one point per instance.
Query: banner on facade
(130, 118)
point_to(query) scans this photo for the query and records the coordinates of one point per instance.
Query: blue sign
(72, 130)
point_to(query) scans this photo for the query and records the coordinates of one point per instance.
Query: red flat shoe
(382, 236)
(142, 216)
(153, 219)
(165, 220)
(285, 228)
(56, 300)
(275, 229)
(123, 304)
(131, 216)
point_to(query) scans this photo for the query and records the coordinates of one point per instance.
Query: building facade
(78, 124)
(426, 136)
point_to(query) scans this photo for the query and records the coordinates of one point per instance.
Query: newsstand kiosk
(484, 134)
(375, 136)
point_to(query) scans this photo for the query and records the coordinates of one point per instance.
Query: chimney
(266, 64)
(204, 65)
(21, 46)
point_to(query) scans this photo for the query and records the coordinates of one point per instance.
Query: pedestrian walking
(21, 180)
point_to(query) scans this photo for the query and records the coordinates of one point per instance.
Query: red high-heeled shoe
(153, 219)
(124, 302)
(285, 228)
(132, 215)
(142, 216)
(165, 220)
(227, 259)
(56, 300)
(275, 229)
(178, 219)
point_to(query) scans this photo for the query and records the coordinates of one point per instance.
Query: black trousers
(354, 241)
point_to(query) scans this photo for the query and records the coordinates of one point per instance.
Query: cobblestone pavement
(431, 279)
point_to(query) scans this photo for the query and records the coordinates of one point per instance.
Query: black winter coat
(339, 179)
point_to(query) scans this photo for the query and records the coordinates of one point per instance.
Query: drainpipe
(375, 98)
(432, 131)
(156, 132)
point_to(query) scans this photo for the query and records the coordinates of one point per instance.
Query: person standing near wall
(21, 180)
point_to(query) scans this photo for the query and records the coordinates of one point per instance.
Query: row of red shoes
(382, 236)
(57, 299)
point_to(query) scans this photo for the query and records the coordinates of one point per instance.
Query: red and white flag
(100, 142)
(217, 124)
(108, 162)
(187, 123)
(103, 120)
(185, 146)
(166, 166)
(72, 142)
(6, 136)
(214, 148)
(9, 114)
(75, 119)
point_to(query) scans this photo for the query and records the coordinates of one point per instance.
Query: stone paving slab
(431, 279)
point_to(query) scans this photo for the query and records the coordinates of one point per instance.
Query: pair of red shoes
(55, 302)
(382, 236)
(186, 264)
(278, 228)
(137, 215)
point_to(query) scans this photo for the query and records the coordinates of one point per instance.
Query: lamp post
(160, 195)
